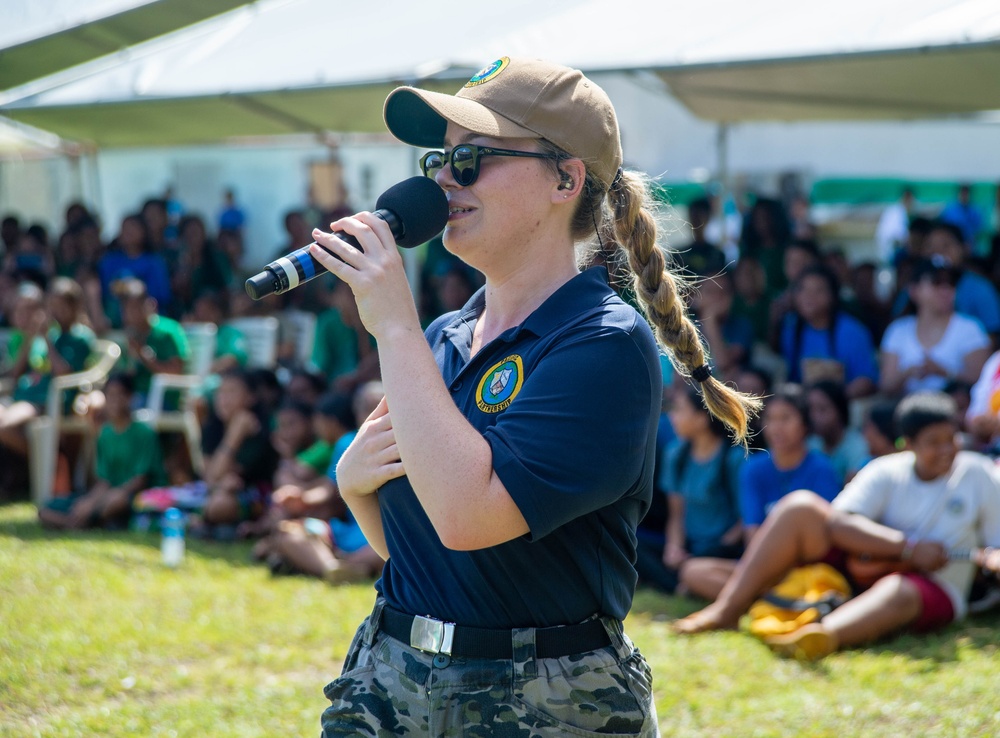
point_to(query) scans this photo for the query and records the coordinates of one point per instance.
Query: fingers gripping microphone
(416, 210)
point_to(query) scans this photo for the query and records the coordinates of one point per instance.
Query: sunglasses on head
(464, 160)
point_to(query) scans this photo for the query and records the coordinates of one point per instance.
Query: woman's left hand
(375, 275)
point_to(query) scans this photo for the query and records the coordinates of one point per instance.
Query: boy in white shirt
(916, 506)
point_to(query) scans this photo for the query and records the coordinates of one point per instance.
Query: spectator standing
(965, 216)
(893, 229)
(231, 216)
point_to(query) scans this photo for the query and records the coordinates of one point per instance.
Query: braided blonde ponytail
(659, 294)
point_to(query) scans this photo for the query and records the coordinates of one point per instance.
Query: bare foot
(710, 618)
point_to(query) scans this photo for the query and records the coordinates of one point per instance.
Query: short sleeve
(668, 480)
(338, 450)
(868, 493)
(752, 495)
(894, 335)
(576, 437)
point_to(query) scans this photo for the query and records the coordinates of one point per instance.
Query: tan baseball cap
(517, 98)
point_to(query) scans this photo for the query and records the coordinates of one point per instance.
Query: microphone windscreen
(421, 206)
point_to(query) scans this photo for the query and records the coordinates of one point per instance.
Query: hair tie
(617, 179)
(702, 374)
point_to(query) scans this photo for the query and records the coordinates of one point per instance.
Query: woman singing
(504, 472)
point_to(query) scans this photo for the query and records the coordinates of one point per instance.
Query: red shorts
(936, 609)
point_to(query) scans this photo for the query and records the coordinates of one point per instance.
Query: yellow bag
(805, 596)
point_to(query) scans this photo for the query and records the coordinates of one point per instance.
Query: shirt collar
(567, 302)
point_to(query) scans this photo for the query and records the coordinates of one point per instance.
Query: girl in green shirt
(128, 461)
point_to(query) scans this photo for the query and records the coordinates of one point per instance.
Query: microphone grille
(420, 205)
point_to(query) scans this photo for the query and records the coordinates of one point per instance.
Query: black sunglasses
(464, 160)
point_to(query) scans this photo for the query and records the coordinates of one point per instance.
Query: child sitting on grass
(918, 508)
(325, 541)
(239, 458)
(303, 488)
(128, 460)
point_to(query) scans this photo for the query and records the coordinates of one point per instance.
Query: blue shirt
(569, 403)
(347, 534)
(976, 297)
(850, 344)
(966, 217)
(762, 484)
(150, 269)
(711, 498)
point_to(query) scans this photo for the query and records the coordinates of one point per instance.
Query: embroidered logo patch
(500, 385)
(489, 72)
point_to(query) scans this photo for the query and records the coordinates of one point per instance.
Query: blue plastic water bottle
(172, 543)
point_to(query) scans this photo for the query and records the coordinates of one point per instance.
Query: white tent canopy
(41, 38)
(780, 60)
(289, 66)
(311, 65)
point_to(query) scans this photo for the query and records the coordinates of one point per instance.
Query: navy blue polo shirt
(569, 402)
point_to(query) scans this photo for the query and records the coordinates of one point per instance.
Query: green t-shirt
(74, 346)
(230, 341)
(123, 456)
(317, 457)
(335, 350)
(167, 340)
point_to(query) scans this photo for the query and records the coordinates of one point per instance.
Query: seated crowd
(877, 407)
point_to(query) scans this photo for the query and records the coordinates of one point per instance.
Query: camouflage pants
(388, 688)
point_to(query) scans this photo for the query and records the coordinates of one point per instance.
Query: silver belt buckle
(432, 636)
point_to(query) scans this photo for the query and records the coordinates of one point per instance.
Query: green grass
(98, 639)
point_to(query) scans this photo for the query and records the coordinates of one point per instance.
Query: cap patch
(488, 72)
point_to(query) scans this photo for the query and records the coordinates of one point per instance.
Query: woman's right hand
(372, 459)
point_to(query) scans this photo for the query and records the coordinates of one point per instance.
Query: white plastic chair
(303, 330)
(45, 430)
(202, 341)
(262, 340)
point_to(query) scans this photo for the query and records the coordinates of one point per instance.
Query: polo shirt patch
(500, 385)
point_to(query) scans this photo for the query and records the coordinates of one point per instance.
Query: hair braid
(661, 298)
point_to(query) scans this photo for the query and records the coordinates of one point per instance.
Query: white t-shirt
(960, 510)
(892, 231)
(962, 336)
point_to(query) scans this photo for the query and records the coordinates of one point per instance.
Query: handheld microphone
(416, 210)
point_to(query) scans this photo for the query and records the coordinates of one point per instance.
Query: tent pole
(722, 163)
(410, 258)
